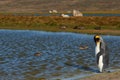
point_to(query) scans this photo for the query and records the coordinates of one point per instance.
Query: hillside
(60, 5)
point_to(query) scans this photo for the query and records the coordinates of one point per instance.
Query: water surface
(60, 57)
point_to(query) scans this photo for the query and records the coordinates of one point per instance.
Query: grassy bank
(105, 25)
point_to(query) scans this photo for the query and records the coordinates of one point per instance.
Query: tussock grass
(109, 25)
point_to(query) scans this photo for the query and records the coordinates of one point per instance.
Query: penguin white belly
(100, 64)
(97, 49)
(100, 61)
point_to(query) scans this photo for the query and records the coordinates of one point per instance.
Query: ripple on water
(60, 54)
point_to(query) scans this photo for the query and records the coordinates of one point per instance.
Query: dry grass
(60, 5)
(109, 25)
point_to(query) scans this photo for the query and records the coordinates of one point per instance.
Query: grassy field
(59, 5)
(91, 25)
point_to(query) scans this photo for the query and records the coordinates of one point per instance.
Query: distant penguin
(101, 53)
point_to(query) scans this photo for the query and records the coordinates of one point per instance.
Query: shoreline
(112, 75)
(104, 76)
(100, 32)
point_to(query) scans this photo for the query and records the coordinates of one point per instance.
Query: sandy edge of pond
(98, 76)
(112, 75)
(104, 76)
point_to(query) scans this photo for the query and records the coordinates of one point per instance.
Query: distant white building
(77, 13)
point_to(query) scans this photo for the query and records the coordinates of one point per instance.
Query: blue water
(60, 54)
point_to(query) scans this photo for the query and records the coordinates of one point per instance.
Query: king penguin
(101, 53)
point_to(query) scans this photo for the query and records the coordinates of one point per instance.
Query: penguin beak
(97, 39)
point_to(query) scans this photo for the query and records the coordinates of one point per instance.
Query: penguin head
(97, 39)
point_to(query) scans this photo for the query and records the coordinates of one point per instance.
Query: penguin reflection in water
(101, 53)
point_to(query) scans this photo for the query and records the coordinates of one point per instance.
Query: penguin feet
(106, 71)
(99, 72)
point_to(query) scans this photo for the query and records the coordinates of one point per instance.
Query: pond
(60, 55)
